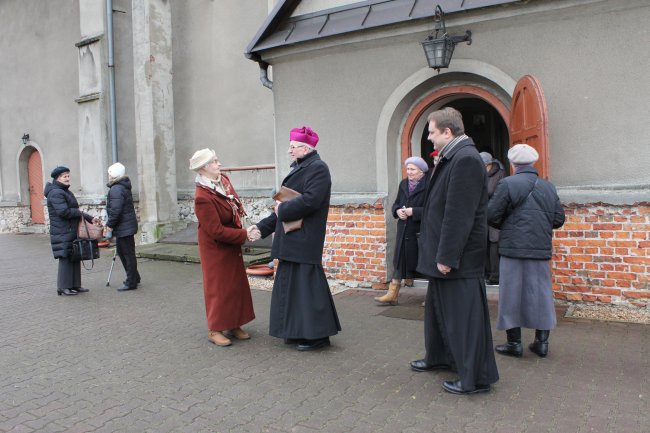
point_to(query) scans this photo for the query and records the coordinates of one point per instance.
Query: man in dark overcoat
(452, 244)
(302, 307)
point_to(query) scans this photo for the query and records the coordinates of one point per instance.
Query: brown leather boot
(391, 296)
(408, 282)
(218, 338)
(240, 334)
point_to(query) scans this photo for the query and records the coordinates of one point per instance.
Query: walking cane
(108, 283)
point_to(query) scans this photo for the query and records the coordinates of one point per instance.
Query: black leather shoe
(421, 365)
(455, 387)
(307, 345)
(65, 292)
(293, 340)
(79, 289)
(124, 288)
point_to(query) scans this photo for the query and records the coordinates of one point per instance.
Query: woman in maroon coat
(228, 301)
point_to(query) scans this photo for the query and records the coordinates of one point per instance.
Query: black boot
(540, 345)
(513, 346)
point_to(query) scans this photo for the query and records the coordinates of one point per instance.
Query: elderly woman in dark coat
(408, 209)
(526, 209)
(122, 223)
(228, 300)
(65, 215)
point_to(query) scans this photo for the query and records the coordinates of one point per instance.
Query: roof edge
(281, 9)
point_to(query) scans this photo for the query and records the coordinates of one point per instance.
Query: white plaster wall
(38, 85)
(590, 59)
(219, 100)
(124, 96)
(310, 6)
(340, 92)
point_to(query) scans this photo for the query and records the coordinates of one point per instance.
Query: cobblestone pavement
(140, 362)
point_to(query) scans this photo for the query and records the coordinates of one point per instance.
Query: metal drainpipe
(111, 78)
(264, 75)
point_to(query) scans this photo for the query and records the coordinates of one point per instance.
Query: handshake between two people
(253, 233)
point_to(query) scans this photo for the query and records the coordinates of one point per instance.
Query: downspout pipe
(264, 75)
(111, 78)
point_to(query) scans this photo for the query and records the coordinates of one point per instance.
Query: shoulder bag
(89, 231)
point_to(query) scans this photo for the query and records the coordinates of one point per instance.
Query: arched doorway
(485, 117)
(482, 122)
(492, 125)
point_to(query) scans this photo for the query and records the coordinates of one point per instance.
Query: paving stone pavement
(140, 361)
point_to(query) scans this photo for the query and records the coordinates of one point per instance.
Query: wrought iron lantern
(25, 139)
(439, 47)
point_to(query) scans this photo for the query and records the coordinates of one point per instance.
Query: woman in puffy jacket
(122, 223)
(65, 215)
(526, 209)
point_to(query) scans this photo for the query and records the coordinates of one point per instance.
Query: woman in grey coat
(526, 209)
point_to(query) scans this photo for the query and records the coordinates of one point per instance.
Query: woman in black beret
(64, 216)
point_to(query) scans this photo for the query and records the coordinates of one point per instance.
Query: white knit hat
(522, 154)
(201, 158)
(116, 170)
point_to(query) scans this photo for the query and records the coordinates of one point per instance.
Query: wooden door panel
(35, 179)
(529, 120)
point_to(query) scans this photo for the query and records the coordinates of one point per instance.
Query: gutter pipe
(111, 78)
(264, 75)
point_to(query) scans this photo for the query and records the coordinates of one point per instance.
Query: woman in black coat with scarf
(64, 214)
(408, 209)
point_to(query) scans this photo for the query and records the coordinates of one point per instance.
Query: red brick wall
(355, 244)
(602, 254)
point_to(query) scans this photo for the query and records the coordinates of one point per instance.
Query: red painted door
(529, 120)
(35, 178)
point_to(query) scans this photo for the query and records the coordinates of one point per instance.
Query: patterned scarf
(414, 183)
(222, 187)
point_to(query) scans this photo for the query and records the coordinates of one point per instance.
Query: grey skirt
(525, 294)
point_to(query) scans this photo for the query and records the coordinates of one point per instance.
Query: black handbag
(85, 249)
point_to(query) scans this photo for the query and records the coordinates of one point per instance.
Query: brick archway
(445, 92)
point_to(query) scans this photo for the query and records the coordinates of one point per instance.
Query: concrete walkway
(140, 362)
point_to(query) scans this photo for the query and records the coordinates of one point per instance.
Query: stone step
(33, 228)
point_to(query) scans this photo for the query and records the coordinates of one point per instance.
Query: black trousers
(69, 275)
(492, 262)
(126, 251)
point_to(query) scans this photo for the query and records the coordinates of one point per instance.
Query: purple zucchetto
(304, 135)
(418, 162)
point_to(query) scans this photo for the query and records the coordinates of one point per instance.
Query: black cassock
(301, 303)
(302, 306)
(457, 330)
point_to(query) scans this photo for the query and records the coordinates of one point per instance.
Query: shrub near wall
(355, 245)
(602, 254)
